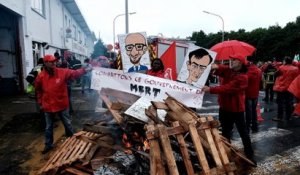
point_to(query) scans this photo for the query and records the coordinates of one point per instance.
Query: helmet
(49, 58)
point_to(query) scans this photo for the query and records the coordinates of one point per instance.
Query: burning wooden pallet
(205, 140)
(183, 135)
(72, 150)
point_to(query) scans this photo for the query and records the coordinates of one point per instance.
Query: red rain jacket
(52, 91)
(286, 74)
(294, 88)
(156, 74)
(232, 90)
(254, 79)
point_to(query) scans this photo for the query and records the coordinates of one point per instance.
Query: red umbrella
(226, 48)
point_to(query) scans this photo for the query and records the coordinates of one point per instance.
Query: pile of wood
(205, 140)
(194, 139)
(73, 149)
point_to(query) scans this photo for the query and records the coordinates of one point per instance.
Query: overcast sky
(179, 18)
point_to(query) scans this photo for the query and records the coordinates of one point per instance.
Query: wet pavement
(276, 145)
(22, 131)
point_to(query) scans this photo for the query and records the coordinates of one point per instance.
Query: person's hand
(214, 66)
(205, 89)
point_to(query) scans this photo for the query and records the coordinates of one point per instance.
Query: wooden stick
(220, 146)
(168, 152)
(156, 163)
(184, 151)
(199, 149)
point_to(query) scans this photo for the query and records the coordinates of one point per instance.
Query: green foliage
(99, 49)
(274, 42)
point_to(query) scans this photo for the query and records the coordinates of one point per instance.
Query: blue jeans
(251, 115)
(86, 80)
(65, 118)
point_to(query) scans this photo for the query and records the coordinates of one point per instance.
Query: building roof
(74, 10)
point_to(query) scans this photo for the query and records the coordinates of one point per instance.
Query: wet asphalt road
(276, 145)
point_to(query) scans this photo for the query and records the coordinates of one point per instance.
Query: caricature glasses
(198, 66)
(138, 46)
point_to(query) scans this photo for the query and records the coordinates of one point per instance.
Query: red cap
(239, 57)
(49, 58)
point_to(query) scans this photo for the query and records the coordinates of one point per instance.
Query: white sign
(153, 88)
(134, 51)
(137, 110)
(195, 70)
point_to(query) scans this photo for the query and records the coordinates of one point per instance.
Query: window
(66, 21)
(74, 32)
(79, 37)
(38, 6)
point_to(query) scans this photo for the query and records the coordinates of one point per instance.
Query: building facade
(29, 29)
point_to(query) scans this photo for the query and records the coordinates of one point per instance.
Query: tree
(99, 49)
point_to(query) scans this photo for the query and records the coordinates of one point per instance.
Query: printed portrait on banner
(134, 51)
(196, 66)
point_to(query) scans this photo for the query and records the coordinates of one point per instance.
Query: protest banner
(148, 86)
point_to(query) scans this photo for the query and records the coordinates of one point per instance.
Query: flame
(142, 144)
(126, 142)
(146, 145)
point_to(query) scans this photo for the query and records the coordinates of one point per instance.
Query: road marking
(209, 114)
(209, 107)
(207, 102)
(271, 132)
(279, 164)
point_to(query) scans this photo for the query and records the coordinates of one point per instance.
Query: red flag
(169, 60)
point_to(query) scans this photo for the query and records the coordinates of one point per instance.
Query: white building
(29, 29)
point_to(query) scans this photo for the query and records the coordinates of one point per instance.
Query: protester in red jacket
(157, 68)
(285, 75)
(232, 99)
(294, 88)
(252, 91)
(52, 95)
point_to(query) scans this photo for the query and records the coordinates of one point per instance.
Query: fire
(146, 145)
(126, 142)
(136, 141)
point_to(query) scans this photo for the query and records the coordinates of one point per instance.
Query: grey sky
(179, 18)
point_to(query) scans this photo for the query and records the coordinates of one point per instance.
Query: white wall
(56, 20)
(15, 5)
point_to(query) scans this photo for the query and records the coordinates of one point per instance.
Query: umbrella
(226, 48)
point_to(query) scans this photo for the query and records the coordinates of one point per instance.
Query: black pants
(284, 101)
(269, 92)
(251, 115)
(227, 120)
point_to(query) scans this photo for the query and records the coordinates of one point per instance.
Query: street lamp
(222, 22)
(114, 25)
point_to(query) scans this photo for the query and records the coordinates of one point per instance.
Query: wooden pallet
(203, 132)
(72, 150)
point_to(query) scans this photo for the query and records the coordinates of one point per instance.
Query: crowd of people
(237, 90)
(278, 77)
(50, 83)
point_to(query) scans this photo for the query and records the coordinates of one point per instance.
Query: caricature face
(196, 67)
(135, 45)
